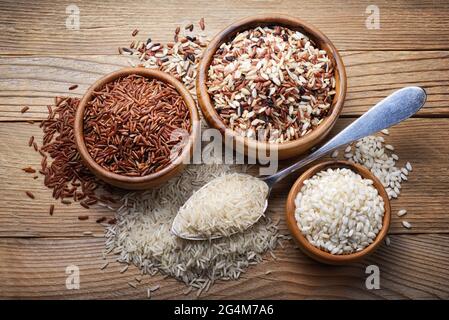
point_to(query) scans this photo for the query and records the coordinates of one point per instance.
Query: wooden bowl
(287, 149)
(304, 244)
(153, 179)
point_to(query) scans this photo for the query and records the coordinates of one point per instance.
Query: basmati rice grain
(406, 224)
(402, 212)
(334, 154)
(228, 204)
(123, 270)
(155, 288)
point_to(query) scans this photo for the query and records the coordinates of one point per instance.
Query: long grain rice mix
(179, 58)
(271, 84)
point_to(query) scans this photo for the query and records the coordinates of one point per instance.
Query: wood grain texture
(412, 267)
(424, 195)
(35, 81)
(40, 58)
(39, 27)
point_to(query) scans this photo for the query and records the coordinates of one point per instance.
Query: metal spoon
(395, 108)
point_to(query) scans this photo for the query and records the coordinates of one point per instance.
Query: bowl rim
(98, 170)
(319, 254)
(205, 101)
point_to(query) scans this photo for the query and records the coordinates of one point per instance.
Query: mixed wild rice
(271, 84)
(179, 58)
(130, 124)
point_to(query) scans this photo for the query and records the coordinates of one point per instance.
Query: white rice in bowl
(338, 211)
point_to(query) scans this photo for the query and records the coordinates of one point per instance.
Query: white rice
(406, 224)
(373, 153)
(226, 205)
(338, 211)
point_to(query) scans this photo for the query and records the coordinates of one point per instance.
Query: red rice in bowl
(131, 125)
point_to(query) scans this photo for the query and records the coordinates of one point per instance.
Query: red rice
(129, 122)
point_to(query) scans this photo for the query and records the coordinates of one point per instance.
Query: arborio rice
(142, 235)
(338, 211)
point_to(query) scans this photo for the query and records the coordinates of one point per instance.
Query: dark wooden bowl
(151, 180)
(301, 240)
(287, 149)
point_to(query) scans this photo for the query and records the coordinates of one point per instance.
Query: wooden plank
(424, 195)
(414, 266)
(35, 81)
(40, 27)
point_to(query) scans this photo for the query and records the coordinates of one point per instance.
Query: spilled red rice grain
(84, 204)
(29, 194)
(65, 173)
(101, 220)
(29, 170)
(24, 109)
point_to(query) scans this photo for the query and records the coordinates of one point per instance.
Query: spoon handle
(395, 108)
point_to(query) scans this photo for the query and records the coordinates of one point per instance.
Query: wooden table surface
(40, 58)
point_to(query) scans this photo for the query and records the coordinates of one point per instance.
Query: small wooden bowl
(287, 149)
(151, 180)
(304, 244)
